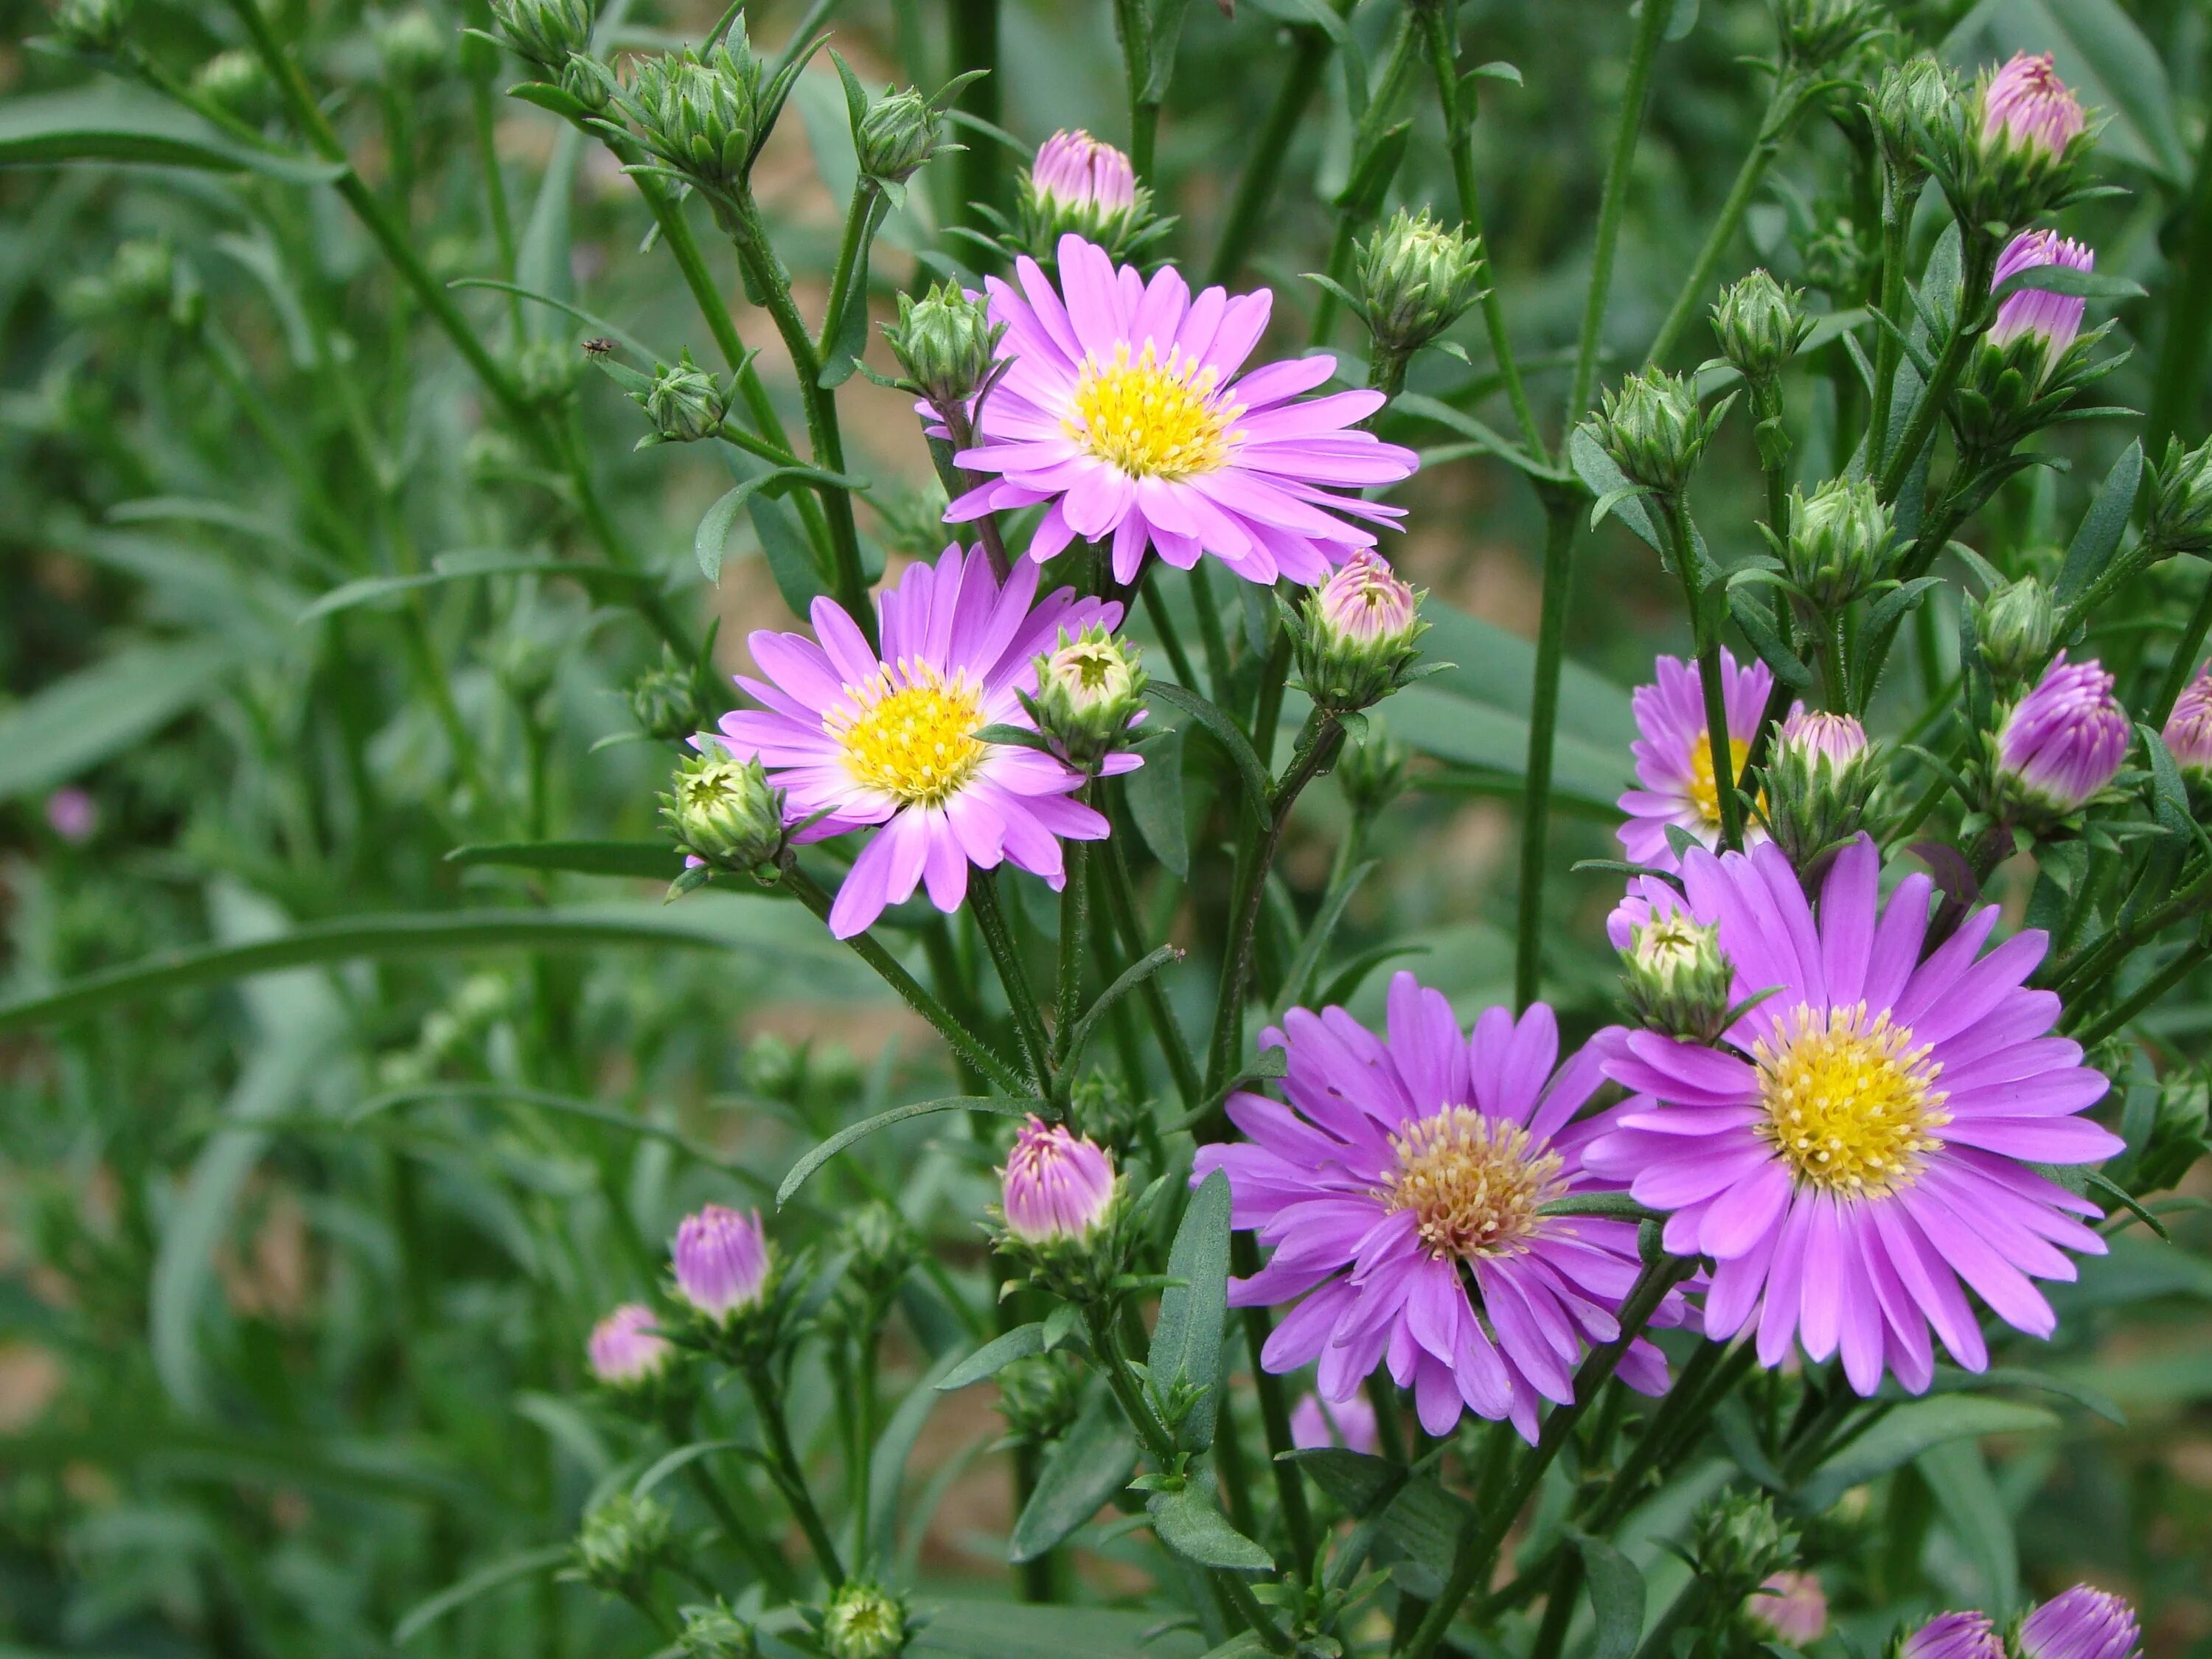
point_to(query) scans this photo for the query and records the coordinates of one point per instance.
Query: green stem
(1559, 1593)
(1074, 942)
(1783, 108)
(1636, 94)
(2192, 958)
(858, 216)
(1211, 635)
(1889, 352)
(1561, 514)
(1007, 957)
(1722, 752)
(975, 43)
(1248, 1608)
(2178, 394)
(1973, 304)
(1255, 187)
(969, 1047)
(767, 1403)
(1156, 608)
(1274, 1411)
(502, 227)
(1121, 906)
(765, 1562)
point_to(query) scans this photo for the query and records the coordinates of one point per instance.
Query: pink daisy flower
(1863, 1141)
(1674, 756)
(1126, 411)
(890, 740)
(1409, 1167)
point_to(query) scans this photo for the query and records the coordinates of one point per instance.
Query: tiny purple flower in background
(1835, 738)
(1405, 1168)
(625, 1349)
(1347, 1423)
(721, 1261)
(2055, 319)
(1674, 756)
(890, 740)
(2188, 732)
(2026, 107)
(1126, 412)
(1076, 170)
(1366, 603)
(72, 815)
(2065, 740)
(2082, 1622)
(1954, 1636)
(1869, 1138)
(1057, 1186)
(1793, 1605)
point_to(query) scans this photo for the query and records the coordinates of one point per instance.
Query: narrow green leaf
(1130, 977)
(969, 1629)
(115, 123)
(1188, 1523)
(483, 1581)
(1602, 478)
(603, 581)
(1154, 793)
(2102, 526)
(1092, 1461)
(1616, 1590)
(1977, 1514)
(1915, 1427)
(994, 1357)
(1186, 1340)
(1258, 789)
(72, 725)
(686, 1455)
(804, 1170)
(650, 860)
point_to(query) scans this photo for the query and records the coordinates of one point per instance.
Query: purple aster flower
(721, 1261)
(891, 740)
(1348, 1423)
(2082, 1623)
(1125, 411)
(1406, 1169)
(1057, 1185)
(2063, 741)
(1865, 1138)
(625, 1349)
(2026, 107)
(72, 815)
(1075, 170)
(2189, 728)
(1835, 738)
(2054, 319)
(1674, 756)
(1954, 1636)
(1793, 1605)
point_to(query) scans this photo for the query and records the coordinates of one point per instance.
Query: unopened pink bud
(721, 1261)
(1817, 735)
(1365, 602)
(625, 1349)
(2188, 732)
(2054, 317)
(1077, 170)
(1057, 1185)
(2026, 107)
(2065, 740)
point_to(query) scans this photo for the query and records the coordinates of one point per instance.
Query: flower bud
(1055, 1187)
(2024, 108)
(2008, 153)
(1080, 186)
(236, 82)
(946, 343)
(897, 135)
(1652, 429)
(1357, 635)
(663, 701)
(2082, 1622)
(1040, 1397)
(142, 275)
(723, 811)
(545, 32)
(412, 48)
(1836, 740)
(1415, 277)
(2180, 520)
(1954, 1636)
(1371, 773)
(1347, 1423)
(1911, 101)
(721, 1262)
(1815, 33)
(685, 403)
(864, 1621)
(546, 372)
(2014, 625)
(702, 116)
(2188, 732)
(1737, 1540)
(713, 1631)
(1792, 1606)
(2062, 743)
(1839, 541)
(626, 1351)
(622, 1539)
(879, 1247)
(91, 26)
(2053, 321)
(1675, 976)
(1761, 323)
(72, 814)
(1088, 691)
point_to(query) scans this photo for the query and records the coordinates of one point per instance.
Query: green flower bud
(236, 81)
(622, 1541)
(1371, 773)
(1839, 541)
(880, 1249)
(1089, 688)
(2014, 627)
(143, 275)
(1911, 99)
(665, 703)
(1821, 787)
(1040, 1397)
(1839, 261)
(2181, 502)
(723, 811)
(2010, 152)
(685, 403)
(945, 343)
(899, 133)
(587, 81)
(1676, 978)
(545, 32)
(1356, 636)
(715, 1632)
(1653, 429)
(1081, 185)
(702, 116)
(864, 1621)
(1099, 1110)
(412, 48)
(547, 373)
(91, 26)
(1737, 1540)
(1414, 278)
(1816, 34)
(492, 457)
(1760, 324)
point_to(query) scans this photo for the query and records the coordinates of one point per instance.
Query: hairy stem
(1007, 957)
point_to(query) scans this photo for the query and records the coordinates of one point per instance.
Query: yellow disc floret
(1150, 418)
(1473, 1182)
(914, 736)
(1849, 1102)
(1704, 794)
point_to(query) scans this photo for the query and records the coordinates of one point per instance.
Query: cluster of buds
(1840, 543)
(724, 1283)
(1091, 690)
(622, 1539)
(2034, 356)
(2013, 627)
(1061, 1211)
(2188, 734)
(1819, 788)
(2009, 154)
(899, 132)
(1080, 187)
(948, 346)
(1654, 431)
(1738, 1542)
(1414, 278)
(2059, 747)
(1675, 976)
(1760, 325)
(545, 34)
(723, 811)
(1817, 34)
(702, 116)
(713, 1631)
(1371, 773)
(1355, 636)
(629, 1356)
(1912, 99)
(2180, 516)
(665, 701)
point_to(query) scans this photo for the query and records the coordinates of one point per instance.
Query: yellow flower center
(1704, 794)
(917, 741)
(1849, 1102)
(1152, 420)
(1473, 1182)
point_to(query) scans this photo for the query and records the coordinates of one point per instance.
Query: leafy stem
(1978, 260)
(790, 1478)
